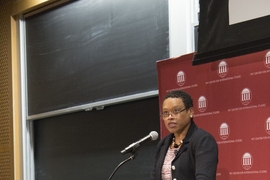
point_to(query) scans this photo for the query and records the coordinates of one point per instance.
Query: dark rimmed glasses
(166, 114)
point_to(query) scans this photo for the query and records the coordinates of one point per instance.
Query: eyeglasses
(166, 114)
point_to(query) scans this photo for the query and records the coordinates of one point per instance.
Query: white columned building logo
(202, 104)
(224, 131)
(267, 126)
(222, 69)
(181, 78)
(247, 161)
(245, 96)
(267, 60)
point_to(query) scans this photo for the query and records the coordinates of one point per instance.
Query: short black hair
(186, 98)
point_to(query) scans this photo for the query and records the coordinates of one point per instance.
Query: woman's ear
(191, 111)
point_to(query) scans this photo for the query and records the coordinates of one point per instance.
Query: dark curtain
(217, 39)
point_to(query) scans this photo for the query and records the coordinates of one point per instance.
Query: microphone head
(153, 135)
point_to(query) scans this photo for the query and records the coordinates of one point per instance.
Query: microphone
(151, 137)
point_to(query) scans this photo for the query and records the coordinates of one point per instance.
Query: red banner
(232, 102)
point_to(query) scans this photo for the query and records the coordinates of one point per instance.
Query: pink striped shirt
(166, 173)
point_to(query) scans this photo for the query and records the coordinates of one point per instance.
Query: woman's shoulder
(200, 134)
(166, 139)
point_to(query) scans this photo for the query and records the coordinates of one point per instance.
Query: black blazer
(196, 159)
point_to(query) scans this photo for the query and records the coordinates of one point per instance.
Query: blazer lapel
(184, 146)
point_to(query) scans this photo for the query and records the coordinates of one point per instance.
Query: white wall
(183, 16)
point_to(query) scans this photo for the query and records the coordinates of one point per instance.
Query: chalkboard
(93, 50)
(86, 145)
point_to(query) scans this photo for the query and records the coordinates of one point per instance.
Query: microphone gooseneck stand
(134, 153)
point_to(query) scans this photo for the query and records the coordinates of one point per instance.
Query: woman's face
(179, 118)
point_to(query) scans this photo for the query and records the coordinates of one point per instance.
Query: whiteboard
(244, 10)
